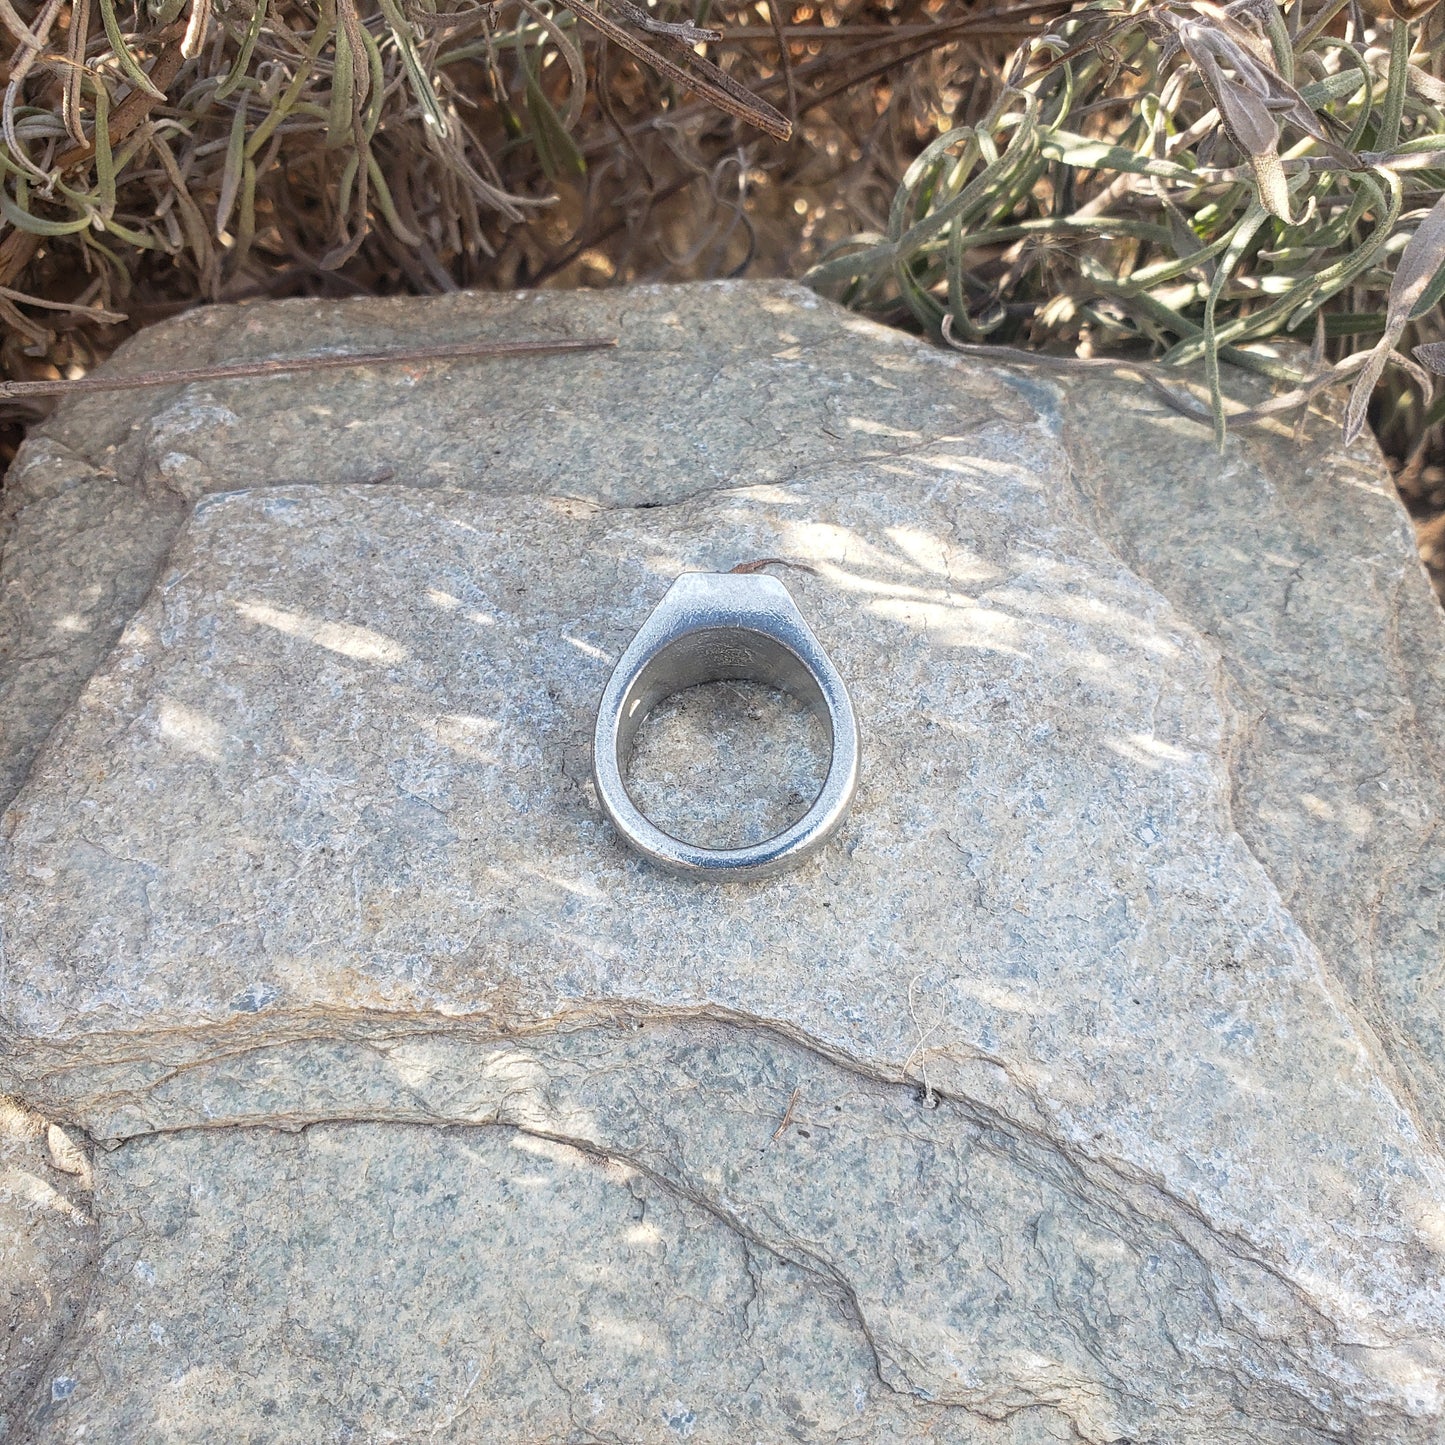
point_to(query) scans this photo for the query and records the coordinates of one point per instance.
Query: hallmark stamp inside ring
(719, 627)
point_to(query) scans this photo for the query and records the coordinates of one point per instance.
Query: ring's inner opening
(724, 739)
(728, 764)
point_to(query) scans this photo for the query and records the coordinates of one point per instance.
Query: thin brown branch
(715, 85)
(785, 60)
(232, 370)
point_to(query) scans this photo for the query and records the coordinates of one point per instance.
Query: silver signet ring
(714, 627)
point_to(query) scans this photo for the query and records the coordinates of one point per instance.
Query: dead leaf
(1419, 262)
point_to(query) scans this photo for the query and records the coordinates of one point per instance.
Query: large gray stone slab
(1121, 984)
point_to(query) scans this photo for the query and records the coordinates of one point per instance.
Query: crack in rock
(982, 1266)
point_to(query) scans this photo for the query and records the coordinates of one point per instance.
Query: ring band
(715, 627)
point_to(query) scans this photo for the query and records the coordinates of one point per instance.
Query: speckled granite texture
(1087, 1086)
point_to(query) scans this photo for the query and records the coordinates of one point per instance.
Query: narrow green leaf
(231, 171)
(1244, 233)
(243, 57)
(1094, 155)
(556, 150)
(343, 93)
(127, 62)
(417, 78)
(387, 205)
(17, 212)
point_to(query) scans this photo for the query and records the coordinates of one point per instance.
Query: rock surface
(48, 1241)
(1088, 1085)
(384, 1282)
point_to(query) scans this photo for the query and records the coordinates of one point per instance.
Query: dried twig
(232, 370)
(693, 72)
(787, 1116)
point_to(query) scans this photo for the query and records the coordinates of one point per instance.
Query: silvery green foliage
(1420, 263)
(1176, 184)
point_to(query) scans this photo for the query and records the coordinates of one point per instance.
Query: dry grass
(1045, 173)
(495, 145)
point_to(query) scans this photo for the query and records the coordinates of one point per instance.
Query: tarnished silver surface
(714, 627)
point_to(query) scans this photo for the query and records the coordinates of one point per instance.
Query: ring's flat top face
(328, 805)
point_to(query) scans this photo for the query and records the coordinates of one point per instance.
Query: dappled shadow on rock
(317, 842)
